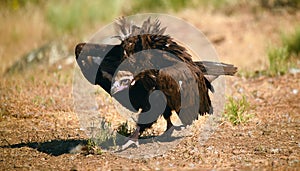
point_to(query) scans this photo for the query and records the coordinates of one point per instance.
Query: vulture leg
(170, 127)
(166, 136)
(167, 115)
(133, 139)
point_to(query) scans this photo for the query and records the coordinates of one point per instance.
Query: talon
(129, 143)
(179, 128)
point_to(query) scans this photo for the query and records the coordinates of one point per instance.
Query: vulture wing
(149, 62)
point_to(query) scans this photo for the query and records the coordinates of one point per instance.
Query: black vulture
(149, 71)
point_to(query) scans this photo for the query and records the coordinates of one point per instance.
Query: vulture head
(122, 81)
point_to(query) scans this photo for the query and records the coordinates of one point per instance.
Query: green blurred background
(28, 24)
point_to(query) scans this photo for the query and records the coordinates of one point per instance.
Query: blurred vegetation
(236, 110)
(124, 129)
(93, 148)
(292, 42)
(271, 4)
(72, 16)
(282, 58)
(164, 6)
(18, 4)
(156, 6)
(278, 61)
(30, 24)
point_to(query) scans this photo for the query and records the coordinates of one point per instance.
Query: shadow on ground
(59, 147)
(52, 147)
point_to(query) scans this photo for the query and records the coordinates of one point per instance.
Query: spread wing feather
(157, 63)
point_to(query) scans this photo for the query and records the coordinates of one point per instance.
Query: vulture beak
(117, 88)
(123, 80)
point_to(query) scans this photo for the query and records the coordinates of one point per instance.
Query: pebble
(240, 90)
(294, 70)
(295, 91)
(274, 150)
(235, 151)
(89, 155)
(250, 133)
(209, 148)
(191, 165)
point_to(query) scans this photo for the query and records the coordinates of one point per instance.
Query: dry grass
(28, 28)
(20, 32)
(30, 93)
(247, 34)
(37, 105)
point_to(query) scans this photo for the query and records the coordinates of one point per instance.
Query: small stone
(240, 90)
(89, 155)
(250, 133)
(295, 91)
(186, 155)
(209, 148)
(274, 150)
(191, 165)
(235, 151)
(294, 70)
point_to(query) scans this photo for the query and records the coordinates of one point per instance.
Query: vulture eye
(125, 81)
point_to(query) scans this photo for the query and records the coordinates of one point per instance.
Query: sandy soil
(39, 126)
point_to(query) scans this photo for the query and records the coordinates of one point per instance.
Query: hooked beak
(122, 81)
(117, 88)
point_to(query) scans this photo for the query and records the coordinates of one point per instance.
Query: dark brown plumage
(151, 69)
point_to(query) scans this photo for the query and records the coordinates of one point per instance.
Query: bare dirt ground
(38, 123)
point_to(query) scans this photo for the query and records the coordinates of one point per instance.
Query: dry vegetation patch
(38, 124)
